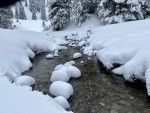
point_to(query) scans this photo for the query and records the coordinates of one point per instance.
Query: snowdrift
(127, 44)
(16, 49)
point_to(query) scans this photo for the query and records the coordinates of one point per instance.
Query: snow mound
(50, 56)
(74, 72)
(60, 75)
(77, 55)
(62, 102)
(60, 88)
(126, 44)
(25, 81)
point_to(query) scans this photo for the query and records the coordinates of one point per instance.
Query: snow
(25, 81)
(21, 99)
(60, 88)
(126, 44)
(18, 46)
(50, 56)
(77, 55)
(64, 72)
(73, 71)
(60, 75)
(62, 102)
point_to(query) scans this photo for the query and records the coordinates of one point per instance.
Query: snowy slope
(17, 99)
(127, 44)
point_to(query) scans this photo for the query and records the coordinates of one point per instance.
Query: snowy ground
(126, 44)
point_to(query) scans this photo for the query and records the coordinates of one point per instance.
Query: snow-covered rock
(50, 56)
(62, 102)
(60, 75)
(58, 67)
(70, 62)
(25, 81)
(73, 71)
(77, 55)
(60, 88)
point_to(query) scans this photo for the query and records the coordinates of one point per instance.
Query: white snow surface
(17, 47)
(62, 102)
(77, 55)
(126, 44)
(50, 56)
(21, 99)
(60, 75)
(25, 81)
(60, 88)
(64, 72)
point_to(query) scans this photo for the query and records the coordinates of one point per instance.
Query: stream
(97, 91)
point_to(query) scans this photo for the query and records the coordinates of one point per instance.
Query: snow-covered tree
(80, 10)
(22, 14)
(115, 11)
(16, 12)
(31, 5)
(5, 18)
(34, 17)
(43, 11)
(26, 3)
(60, 13)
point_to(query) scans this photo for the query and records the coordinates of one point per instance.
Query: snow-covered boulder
(60, 88)
(62, 102)
(77, 55)
(50, 56)
(82, 43)
(25, 81)
(70, 63)
(73, 71)
(60, 75)
(58, 67)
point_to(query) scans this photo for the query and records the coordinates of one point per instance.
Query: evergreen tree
(22, 14)
(16, 12)
(60, 13)
(80, 10)
(5, 18)
(43, 12)
(26, 3)
(34, 17)
(115, 11)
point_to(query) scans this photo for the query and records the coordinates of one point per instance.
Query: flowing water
(97, 91)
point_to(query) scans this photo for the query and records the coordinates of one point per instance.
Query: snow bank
(17, 47)
(18, 99)
(126, 44)
(25, 81)
(62, 102)
(60, 88)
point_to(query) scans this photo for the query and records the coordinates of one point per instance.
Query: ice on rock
(25, 81)
(60, 75)
(73, 71)
(50, 56)
(60, 88)
(62, 102)
(77, 55)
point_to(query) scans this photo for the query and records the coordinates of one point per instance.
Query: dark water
(97, 91)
